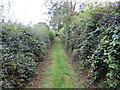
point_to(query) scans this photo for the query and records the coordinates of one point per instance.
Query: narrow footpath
(60, 73)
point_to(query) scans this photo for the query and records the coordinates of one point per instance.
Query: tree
(61, 12)
(43, 24)
(3, 10)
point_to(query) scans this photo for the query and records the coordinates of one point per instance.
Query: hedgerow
(22, 49)
(93, 38)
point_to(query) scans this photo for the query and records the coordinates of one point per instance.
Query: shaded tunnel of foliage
(22, 50)
(93, 38)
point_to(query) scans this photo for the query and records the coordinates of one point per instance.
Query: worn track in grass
(60, 73)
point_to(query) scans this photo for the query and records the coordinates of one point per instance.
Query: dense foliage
(22, 49)
(93, 38)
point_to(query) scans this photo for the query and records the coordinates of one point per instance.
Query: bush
(94, 40)
(22, 49)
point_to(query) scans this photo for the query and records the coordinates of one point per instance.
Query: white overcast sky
(26, 11)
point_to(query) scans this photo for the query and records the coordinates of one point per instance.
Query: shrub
(22, 49)
(94, 41)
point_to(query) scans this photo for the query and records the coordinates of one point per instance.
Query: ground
(58, 71)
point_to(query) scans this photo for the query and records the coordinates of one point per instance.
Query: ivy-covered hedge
(93, 38)
(22, 49)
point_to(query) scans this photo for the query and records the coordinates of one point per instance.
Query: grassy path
(60, 73)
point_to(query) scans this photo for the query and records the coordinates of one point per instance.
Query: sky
(26, 11)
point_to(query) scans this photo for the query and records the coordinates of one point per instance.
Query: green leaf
(113, 66)
(106, 41)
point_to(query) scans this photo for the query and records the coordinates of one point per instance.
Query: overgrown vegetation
(93, 38)
(91, 35)
(22, 50)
